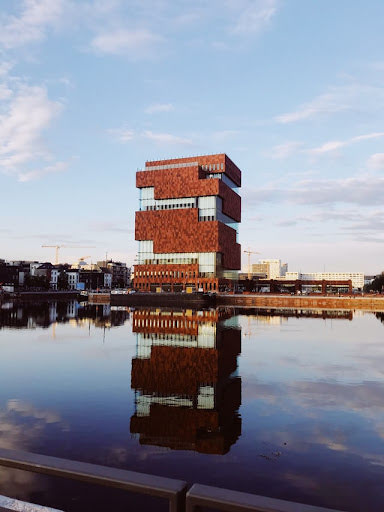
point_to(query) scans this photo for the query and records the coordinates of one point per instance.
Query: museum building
(187, 224)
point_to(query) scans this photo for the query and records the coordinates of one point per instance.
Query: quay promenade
(361, 302)
(261, 300)
(346, 302)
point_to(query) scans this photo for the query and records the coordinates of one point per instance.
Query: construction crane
(58, 247)
(249, 252)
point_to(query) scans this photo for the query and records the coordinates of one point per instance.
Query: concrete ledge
(194, 300)
(234, 501)
(167, 488)
(365, 303)
(9, 504)
(174, 490)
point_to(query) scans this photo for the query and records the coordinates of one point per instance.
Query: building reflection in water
(187, 394)
(30, 315)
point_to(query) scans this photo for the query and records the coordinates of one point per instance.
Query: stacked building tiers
(187, 224)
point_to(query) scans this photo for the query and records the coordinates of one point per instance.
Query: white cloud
(337, 99)
(5, 92)
(166, 138)
(334, 145)
(159, 107)
(42, 171)
(253, 15)
(31, 25)
(117, 226)
(285, 150)
(5, 68)
(134, 29)
(325, 103)
(224, 135)
(376, 161)
(125, 135)
(134, 44)
(361, 190)
(122, 134)
(363, 221)
(139, 29)
(21, 426)
(27, 115)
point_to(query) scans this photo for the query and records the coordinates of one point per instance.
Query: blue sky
(291, 90)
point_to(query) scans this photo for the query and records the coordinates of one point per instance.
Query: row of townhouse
(34, 274)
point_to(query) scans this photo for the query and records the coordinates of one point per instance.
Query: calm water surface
(275, 402)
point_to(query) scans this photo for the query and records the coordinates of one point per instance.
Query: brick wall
(181, 231)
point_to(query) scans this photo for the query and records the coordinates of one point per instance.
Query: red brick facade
(180, 230)
(190, 182)
(230, 168)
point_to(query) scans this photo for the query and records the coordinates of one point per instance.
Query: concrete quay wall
(367, 303)
(43, 295)
(183, 300)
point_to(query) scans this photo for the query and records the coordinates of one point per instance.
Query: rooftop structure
(187, 224)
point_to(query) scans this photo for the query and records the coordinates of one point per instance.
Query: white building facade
(73, 279)
(54, 278)
(357, 278)
(274, 268)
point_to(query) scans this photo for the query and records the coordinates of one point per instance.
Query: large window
(148, 201)
(206, 260)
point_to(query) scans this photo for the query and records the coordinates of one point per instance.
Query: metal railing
(233, 501)
(172, 490)
(167, 488)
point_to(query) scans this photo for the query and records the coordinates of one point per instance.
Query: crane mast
(58, 247)
(249, 252)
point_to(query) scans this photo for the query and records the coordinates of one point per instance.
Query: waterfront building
(44, 270)
(95, 278)
(73, 278)
(259, 270)
(121, 273)
(187, 224)
(9, 277)
(357, 278)
(272, 268)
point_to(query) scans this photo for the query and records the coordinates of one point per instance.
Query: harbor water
(276, 402)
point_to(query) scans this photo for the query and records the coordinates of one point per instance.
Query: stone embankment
(352, 302)
(197, 300)
(43, 295)
(182, 300)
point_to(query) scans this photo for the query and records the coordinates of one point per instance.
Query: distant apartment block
(187, 224)
(357, 278)
(121, 273)
(272, 268)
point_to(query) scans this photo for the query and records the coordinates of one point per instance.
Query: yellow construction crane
(58, 247)
(249, 252)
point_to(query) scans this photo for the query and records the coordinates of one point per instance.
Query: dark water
(278, 403)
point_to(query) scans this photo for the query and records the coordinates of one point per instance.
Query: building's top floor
(211, 164)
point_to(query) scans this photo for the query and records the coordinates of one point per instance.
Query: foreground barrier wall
(174, 491)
